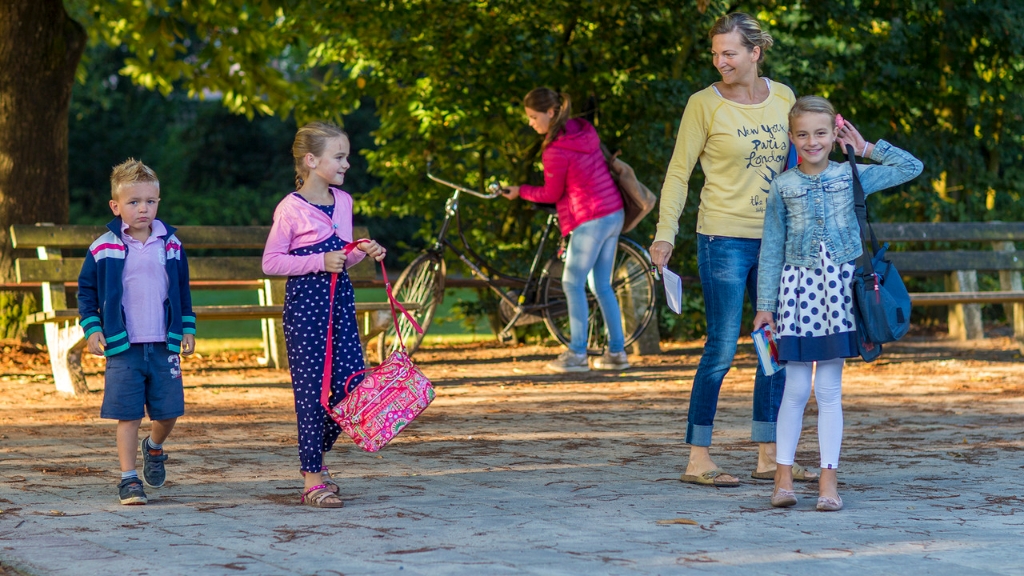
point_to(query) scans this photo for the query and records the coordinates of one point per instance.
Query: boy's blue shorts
(145, 378)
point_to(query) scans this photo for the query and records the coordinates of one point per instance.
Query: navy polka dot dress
(815, 315)
(305, 331)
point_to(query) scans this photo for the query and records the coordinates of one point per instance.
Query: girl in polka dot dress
(311, 229)
(811, 239)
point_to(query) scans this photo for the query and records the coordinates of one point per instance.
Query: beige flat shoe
(782, 498)
(829, 504)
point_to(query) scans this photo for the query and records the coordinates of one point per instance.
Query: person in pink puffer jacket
(577, 182)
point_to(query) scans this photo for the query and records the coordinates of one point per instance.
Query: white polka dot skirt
(815, 315)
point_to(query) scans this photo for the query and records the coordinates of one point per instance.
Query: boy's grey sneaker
(612, 361)
(130, 492)
(569, 361)
(153, 471)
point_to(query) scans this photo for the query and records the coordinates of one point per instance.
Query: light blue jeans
(590, 258)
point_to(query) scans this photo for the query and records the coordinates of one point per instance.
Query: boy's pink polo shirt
(144, 281)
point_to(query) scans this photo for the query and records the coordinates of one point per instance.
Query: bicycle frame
(441, 242)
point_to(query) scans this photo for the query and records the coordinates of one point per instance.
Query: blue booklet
(767, 350)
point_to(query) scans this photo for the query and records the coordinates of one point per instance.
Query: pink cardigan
(576, 178)
(298, 224)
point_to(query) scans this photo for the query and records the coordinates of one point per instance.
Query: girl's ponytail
(544, 99)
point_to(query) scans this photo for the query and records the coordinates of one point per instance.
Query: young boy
(136, 309)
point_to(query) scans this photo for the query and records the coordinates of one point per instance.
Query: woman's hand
(512, 192)
(373, 250)
(763, 318)
(661, 251)
(849, 134)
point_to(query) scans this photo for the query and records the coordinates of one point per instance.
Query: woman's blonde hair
(749, 29)
(311, 139)
(543, 99)
(812, 105)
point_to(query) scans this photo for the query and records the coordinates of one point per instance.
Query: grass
(212, 345)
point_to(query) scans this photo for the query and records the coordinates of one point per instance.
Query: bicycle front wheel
(420, 289)
(633, 283)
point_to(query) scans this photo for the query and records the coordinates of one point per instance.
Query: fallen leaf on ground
(686, 521)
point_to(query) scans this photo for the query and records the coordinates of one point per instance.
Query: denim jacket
(803, 211)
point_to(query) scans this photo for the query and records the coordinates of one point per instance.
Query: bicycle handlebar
(494, 188)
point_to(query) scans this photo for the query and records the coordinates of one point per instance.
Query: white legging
(828, 391)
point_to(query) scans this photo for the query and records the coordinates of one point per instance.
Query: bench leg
(65, 343)
(372, 324)
(273, 334)
(1009, 280)
(964, 319)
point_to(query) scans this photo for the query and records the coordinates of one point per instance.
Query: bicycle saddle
(548, 208)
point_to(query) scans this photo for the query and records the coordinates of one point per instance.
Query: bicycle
(536, 298)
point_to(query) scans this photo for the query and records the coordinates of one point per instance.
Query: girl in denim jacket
(811, 238)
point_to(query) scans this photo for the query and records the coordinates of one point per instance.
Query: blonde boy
(136, 309)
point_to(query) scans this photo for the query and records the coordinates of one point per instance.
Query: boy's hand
(373, 250)
(512, 192)
(188, 344)
(763, 318)
(334, 261)
(97, 343)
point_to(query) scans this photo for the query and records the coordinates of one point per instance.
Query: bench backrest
(201, 268)
(1000, 235)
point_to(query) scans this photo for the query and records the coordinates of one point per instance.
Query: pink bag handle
(396, 306)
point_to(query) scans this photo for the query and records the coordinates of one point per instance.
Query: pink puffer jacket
(576, 178)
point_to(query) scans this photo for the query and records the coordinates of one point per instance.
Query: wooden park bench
(61, 249)
(996, 253)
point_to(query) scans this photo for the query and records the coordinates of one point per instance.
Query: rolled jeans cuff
(762, 432)
(698, 435)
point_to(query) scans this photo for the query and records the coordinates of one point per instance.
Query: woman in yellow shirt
(737, 129)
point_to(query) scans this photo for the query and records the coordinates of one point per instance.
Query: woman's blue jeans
(728, 268)
(591, 257)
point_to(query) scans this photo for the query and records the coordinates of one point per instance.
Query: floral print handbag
(390, 396)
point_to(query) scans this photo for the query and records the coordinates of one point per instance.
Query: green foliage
(941, 78)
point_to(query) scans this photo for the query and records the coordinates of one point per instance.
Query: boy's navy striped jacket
(100, 290)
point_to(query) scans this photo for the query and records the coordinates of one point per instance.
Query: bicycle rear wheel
(420, 288)
(633, 283)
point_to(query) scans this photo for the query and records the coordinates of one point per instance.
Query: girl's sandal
(320, 496)
(325, 478)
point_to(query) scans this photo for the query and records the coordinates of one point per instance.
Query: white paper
(673, 289)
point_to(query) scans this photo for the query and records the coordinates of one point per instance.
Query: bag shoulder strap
(867, 233)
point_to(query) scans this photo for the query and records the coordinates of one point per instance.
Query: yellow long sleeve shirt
(741, 148)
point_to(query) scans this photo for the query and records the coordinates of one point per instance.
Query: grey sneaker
(612, 361)
(153, 471)
(130, 492)
(569, 361)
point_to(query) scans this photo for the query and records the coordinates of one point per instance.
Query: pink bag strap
(396, 306)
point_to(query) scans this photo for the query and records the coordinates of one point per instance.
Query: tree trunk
(40, 46)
